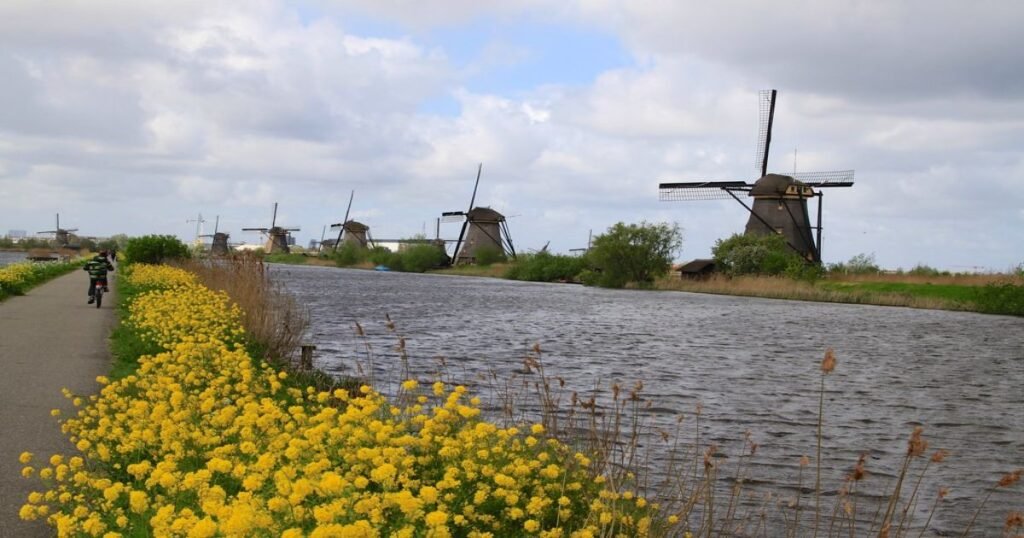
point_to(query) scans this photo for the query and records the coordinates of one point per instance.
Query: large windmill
(277, 236)
(350, 231)
(61, 236)
(481, 227)
(780, 201)
(218, 240)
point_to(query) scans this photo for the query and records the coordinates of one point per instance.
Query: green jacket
(98, 267)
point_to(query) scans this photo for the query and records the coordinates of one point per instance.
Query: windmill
(780, 201)
(219, 240)
(481, 227)
(277, 236)
(61, 236)
(350, 231)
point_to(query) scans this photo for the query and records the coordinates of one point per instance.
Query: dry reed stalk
(272, 317)
(1006, 481)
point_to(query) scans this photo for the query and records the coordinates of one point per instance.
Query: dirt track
(49, 339)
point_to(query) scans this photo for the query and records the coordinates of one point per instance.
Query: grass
(17, 279)
(996, 294)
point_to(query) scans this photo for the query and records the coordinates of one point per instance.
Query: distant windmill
(350, 231)
(219, 240)
(481, 227)
(61, 236)
(780, 201)
(277, 236)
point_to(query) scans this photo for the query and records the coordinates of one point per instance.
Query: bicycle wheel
(99, 296)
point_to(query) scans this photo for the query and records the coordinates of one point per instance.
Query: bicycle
(98, 288)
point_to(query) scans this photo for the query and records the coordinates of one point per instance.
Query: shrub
(926, 270)
(349, 254)
(380, 256)
(419, 258)
(487, 255)
(860, 264)
(634, 253)
(155, 249)
(755, 254)
(545, 267)
(1005, 298)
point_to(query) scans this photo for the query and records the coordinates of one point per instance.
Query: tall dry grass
(272, 317)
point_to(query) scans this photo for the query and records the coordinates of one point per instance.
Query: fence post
(307, 357)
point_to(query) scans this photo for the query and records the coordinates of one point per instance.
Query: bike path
(49, 339)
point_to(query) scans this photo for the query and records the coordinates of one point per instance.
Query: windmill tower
(219, 240)
(61, 236)
(350, 231)
(780, 201)
(277, 236)
(482, 227)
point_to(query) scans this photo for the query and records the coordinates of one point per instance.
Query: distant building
(17, 234)
(697, 269)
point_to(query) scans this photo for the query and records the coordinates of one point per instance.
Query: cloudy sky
(134, 116)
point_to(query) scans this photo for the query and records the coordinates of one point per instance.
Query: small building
(697, 269)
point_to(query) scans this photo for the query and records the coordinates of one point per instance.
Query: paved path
(49, 339)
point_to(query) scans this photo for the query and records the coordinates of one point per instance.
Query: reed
(272, 317)
(700, 491)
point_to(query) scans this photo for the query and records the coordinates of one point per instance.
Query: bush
(860, 264)
(420, 258)
(487, 255)
(546, 267)
(636, 253)
(1005, 298)
(349, 254)
(755, 254)
(926, 270)
(379, 256)
(155, 249)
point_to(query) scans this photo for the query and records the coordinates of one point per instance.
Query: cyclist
(97, 269)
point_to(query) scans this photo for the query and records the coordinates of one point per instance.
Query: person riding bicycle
(97, 269)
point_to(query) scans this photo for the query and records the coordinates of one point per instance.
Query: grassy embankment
(997, 294)
(993, 294)
(18, 278)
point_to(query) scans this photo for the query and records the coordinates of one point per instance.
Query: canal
(752, 364)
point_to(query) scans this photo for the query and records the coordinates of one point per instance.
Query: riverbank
(989, 294)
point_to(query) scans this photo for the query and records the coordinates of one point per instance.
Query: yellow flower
(436, 518)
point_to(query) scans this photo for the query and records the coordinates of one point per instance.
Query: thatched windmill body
(350, 231)
(780, 201)
(61, 236)
(219, 240)
(277, 236)
(482, 227)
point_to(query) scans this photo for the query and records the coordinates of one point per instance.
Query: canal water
(9, 257)
(752, 364)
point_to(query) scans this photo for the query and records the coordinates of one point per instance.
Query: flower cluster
(16, 278)
(205, 441)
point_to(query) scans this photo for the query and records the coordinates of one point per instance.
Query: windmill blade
(273, 221)
(834, 178)
(699, 190)
(345, 220)
(453, 216)
(263, 230)
(764, 132)
(472, 200)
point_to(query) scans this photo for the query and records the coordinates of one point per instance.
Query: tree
(756, 254)
(636, 253)
(154, 249)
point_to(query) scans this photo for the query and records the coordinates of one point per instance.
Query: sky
(135, 117)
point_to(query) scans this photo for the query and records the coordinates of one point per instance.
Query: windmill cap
(485, 214)
(773, 184)
(356, 226)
